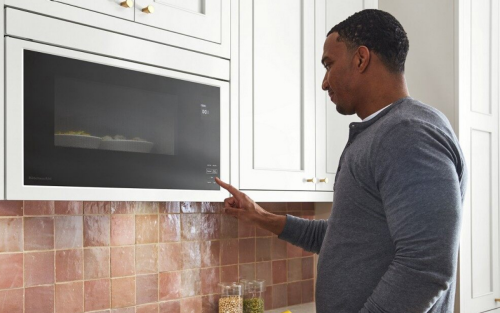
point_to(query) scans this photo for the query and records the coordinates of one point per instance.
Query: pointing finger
(235, 192)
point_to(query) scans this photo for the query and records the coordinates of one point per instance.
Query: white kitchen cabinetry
(196, 18)
(464, 86)
(332, 128)
(118, 8)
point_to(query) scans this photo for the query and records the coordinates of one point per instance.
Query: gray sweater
(391, 242)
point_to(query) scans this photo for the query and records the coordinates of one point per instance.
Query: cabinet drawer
(109, 7)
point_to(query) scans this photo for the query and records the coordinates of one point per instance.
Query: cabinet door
(276, 94)
(109, 7)
(332, 129)
(478, 90)
(195, 18)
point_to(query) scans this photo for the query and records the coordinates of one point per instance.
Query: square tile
(212, 207)
(39, 207)
(11, 234)
(247, 271)
(146, 259)
(96, 230)
(69, 265)
(293, 251)
(169, 257)
(190, 283)
(39, 299)
(229, 274)
(96, 263)
(191, 305)
(308, 268)
(209, 280)
(210, 253)
(278, 249)
(122, 230)
(294, 293)
(229, 251)
(280, 296)
(68, 207)
(11, 270)
(279, 272)
(191, 226)
(142, 207)
(68, 232)
(11, 300)
(264, 271)
(170, 227)
(146, 288)
(170, 306)
(247, 250)
(96, 207)
(263, 249)
(170, 285)
(96, 294)
(147, 308)
(38, 233)
(191, 254)
(122, 292)
(245, 229)
(146, 229)
(210, 226)
(38, 268)
(307, 291)
(210, 304)
(122, 261)
(190, 207)
(294, 269)
(228, 227)
(11, 208)
(69, 297)
(172, 207)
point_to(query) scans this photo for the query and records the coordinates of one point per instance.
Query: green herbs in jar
(253, 305)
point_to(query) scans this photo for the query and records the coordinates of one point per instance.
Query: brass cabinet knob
(127, 3)
(311, 180)
(497, 300)
(323, 180)
(149, 9)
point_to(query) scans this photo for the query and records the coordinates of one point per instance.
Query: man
(391, 242)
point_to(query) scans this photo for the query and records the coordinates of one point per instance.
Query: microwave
(86, 124)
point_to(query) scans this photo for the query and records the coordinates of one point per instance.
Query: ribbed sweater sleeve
(307, 234)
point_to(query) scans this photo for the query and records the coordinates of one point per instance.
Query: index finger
(235, 192)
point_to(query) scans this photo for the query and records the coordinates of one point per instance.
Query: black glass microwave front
(93, 125)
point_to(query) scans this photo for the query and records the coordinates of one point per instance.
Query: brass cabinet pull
(149, 9)
(497, 299)
(324, 180)
(311, 180)
(127, 3)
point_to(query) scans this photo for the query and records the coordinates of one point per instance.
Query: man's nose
(324, 85)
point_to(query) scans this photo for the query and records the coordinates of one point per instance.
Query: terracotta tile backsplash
(141, 257)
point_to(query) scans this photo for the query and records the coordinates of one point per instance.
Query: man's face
(339, 78)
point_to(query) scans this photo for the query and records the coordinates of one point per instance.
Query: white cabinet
(332, 128)
(196, 18)
(109, 7)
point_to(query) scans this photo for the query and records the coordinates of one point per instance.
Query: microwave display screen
(94, 125)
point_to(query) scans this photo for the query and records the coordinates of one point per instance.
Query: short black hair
(380, 32)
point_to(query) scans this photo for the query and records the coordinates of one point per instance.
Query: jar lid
(231, 289)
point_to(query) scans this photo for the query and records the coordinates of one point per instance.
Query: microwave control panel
(212, 171)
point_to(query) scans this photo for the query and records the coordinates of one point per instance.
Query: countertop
(301, 308)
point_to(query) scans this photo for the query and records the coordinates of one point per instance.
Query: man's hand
(242, 207)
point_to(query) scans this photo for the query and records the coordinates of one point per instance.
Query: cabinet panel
(110, 7)
(332, 128)
(196, 18)
(276, 95)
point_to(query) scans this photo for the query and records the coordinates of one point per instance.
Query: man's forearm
(269, 221)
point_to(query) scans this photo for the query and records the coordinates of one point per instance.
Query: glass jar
(253, 299)
(231, 298)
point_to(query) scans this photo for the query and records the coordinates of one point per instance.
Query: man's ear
(362, 58)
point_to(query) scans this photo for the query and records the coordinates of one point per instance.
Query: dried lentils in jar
(231, 299)
(253, 301)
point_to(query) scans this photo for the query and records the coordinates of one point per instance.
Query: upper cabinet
(332, 128)
(196, 18)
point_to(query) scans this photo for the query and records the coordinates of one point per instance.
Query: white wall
(430, 65)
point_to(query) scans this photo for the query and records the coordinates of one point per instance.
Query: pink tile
(191, 226)
(11, 234)
(170, 285)
(264, 271)
(245, 229)
(96, 207)
(274, 206)
(38, 233)
(308, 206)
(191, 305)
(68, 207)
(146, 259)
(170, 306)
(191, 254)
(96, 294)
(146, 229)
(209, 280)
(268, 298)
(69, 265)
(122, 292)
(294, 293)
(96, 230)
(210, 304)
(147, 207)
(259, 232)
(229, 227)
(293, 206)
(170, 227)
(307, 291)
(122, 230)
(247, 271)
(146, 288)
(279, 272)
(39, 207)
(247, 250)
(96, 263)
(210, 226)
(122, 207)
(39, 299)
(212, 207)
(229, 274)
(210, 253)
(147, 308)
(294, 269)
(278, 249)
(190, 283)
(69, 232)
(229, 251)
(11, 270)
(11, 300)
(172, 207)
(280, 296)
(11, 208)
(124, 310)
(169, 257)
(122, 261)
(38, 268)
(69, 297)
(308, 268)
(263, 249)
(293, 251)
(190, 207)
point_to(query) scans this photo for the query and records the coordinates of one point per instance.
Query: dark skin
(357, 82)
